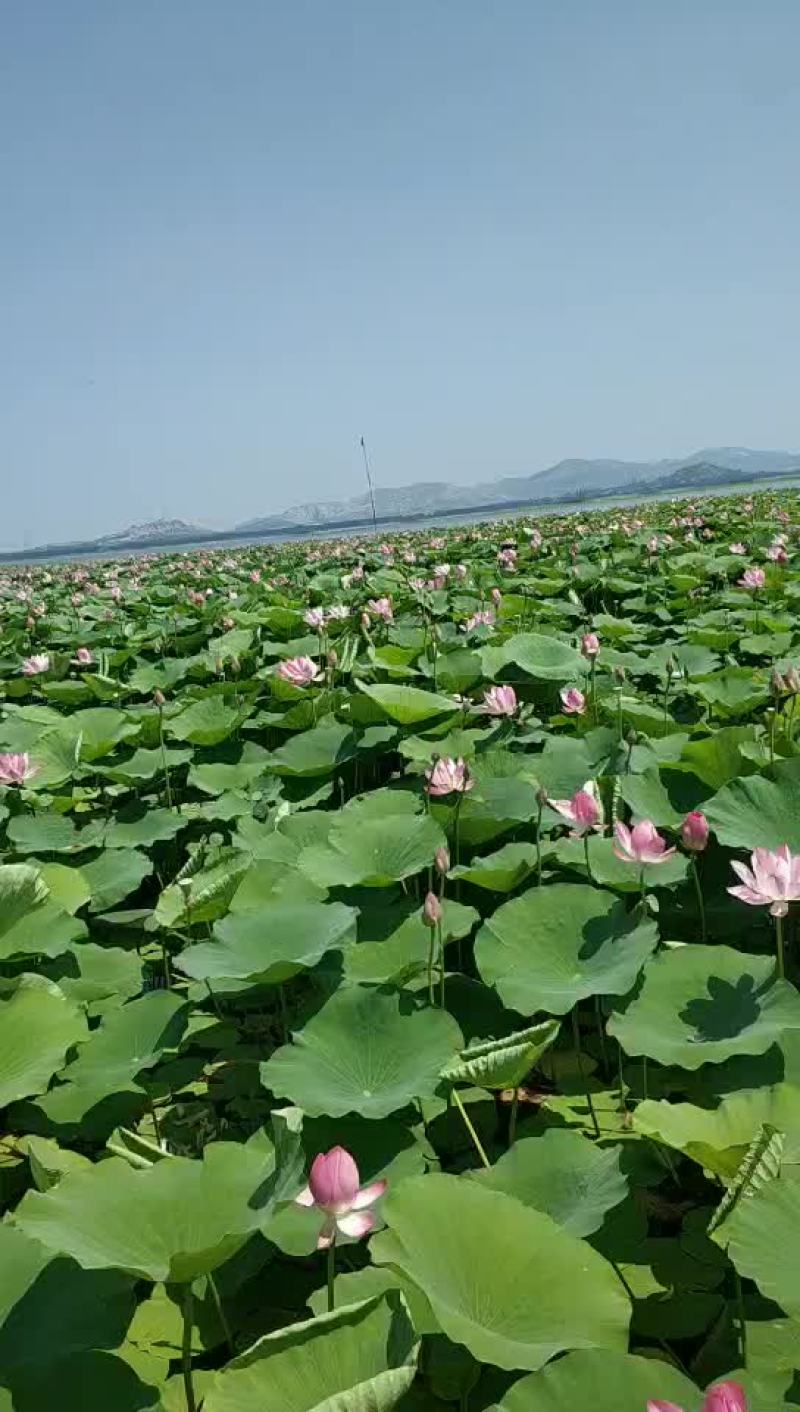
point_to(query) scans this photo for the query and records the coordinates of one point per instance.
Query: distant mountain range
(571, 481)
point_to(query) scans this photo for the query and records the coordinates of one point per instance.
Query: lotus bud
(333, 658)
(365, 620)
(620, 675)
(792, 681)
(159, 699)
(442, 860)
(776, 682)
(432, 910)
(541, 797)
(694, 832)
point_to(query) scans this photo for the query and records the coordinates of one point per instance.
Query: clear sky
(237, 234)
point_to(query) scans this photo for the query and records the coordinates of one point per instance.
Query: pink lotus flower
(772, 880)
(641, 844)
(334, 1187)
(442, 860)
(694, 832)
(34, 666)
(484, 617)
(738, 548)
(381, 608)
(82, 658)
(724, 1397)
(590, 645)
(16, 769)
(315, 617)
(447, 776)
(777, 554)
(300, 671)
(497, 597)
(431, 910)
(753, 578)
(573, 701)
(500, 701)
(582, 810)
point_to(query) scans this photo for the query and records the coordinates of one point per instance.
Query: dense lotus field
(398, 971)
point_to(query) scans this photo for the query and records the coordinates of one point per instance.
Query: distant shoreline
(570, 504)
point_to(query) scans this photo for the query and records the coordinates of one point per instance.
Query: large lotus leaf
(23, 892)
(97, 731)
(607, 870)
(140, 826)
(352, 1286)
(47, 931)
(361, 1358)
(130, 1039)
(702, 1004)
(173, 1221)
(762, 1235)
(365, 1052)
(319, 751)
(113, 875)
(546, 658)
(554, 946)
(89, 1381)
(54, 755)
(405, 951)
(269, 880)
(68, 887)
(757, 812)
(502, 1279)
(407, 704)
(90, 974)
(647, 798)
(215, 777)
(563, 1174)
(718, 1138)
(206, 722)
(146, 765)
(718, 758)
(273, 943)
(501, 871)
(502, 1063)
(387, 850)
(43, 833)
(602, 1380)
(50, 1307)
(38, 1026)
(81, 1112)
(213, 883)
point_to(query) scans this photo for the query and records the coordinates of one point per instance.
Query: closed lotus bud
(159, 699)
(694, 832)
(365, 620)
(333, 658)
(776, 682)
(620, 675)
(541, 797)
(442, 860)
(792, 680)
(432, 910)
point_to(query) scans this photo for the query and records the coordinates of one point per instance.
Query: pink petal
(356, 1223)
(658, 1406)
(748, 895)
(306, 1197)
(725, 1397)
(369, 1194)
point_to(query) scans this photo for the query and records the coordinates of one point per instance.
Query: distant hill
(155, 530)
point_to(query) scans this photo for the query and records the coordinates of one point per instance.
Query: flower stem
(221, 1315)
(331, 1266)
(700, 903)
(586, 856)
(186, 1348)
(779, 940)
(431, 949)
(576, 1036)
(740, 1316)
(470, 1129)
(539, 845)
(512, 1118)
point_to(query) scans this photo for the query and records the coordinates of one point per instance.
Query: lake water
(433, 522)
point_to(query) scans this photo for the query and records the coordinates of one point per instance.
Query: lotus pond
(398, 971)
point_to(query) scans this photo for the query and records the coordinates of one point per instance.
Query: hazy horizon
(235, 240)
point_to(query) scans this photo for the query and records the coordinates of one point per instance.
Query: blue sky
(235, 237)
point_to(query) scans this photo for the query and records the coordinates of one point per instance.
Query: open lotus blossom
(753, 579)
(338, 612)
(772, 880)
(590, 645)
(315, 617)
(34, 666)
(447, 776)
(723, 1397)
(484, 617)
(334, 1187)
(573, 701)
(641, 844)
(381, 608)
(582, 810)
(16, 769)
(82, 658)
(500, 701)
(694, 832)
(738, 548)
(300, 671)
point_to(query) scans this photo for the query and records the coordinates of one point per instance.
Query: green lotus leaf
(545, 658)
(502, 1063)
(68, 887)
(647, 798)
(216, 777)
(96, 731)
(607, 870)
(146, 765)
(38, 1027)
(43, 833)
(130, 1039)
(207, 721)
(361, 1358)
(502, 871)
(702, 1004)
(364, 1052)
(273, 943)
(92, 975)
(757, 812)
(372, 853)
(718, 1138)
(319, 751)
(404, 953)
(173, 1221)
(762, 1237)
(563, 1174)
(114, 875)
(213, 879)
(556, 945)
(540, 1290)
(407, 705)
(603, 1380)
(718, 758)
(140, 826)
(23, 893)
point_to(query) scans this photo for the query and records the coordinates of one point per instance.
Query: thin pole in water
(369, 483)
